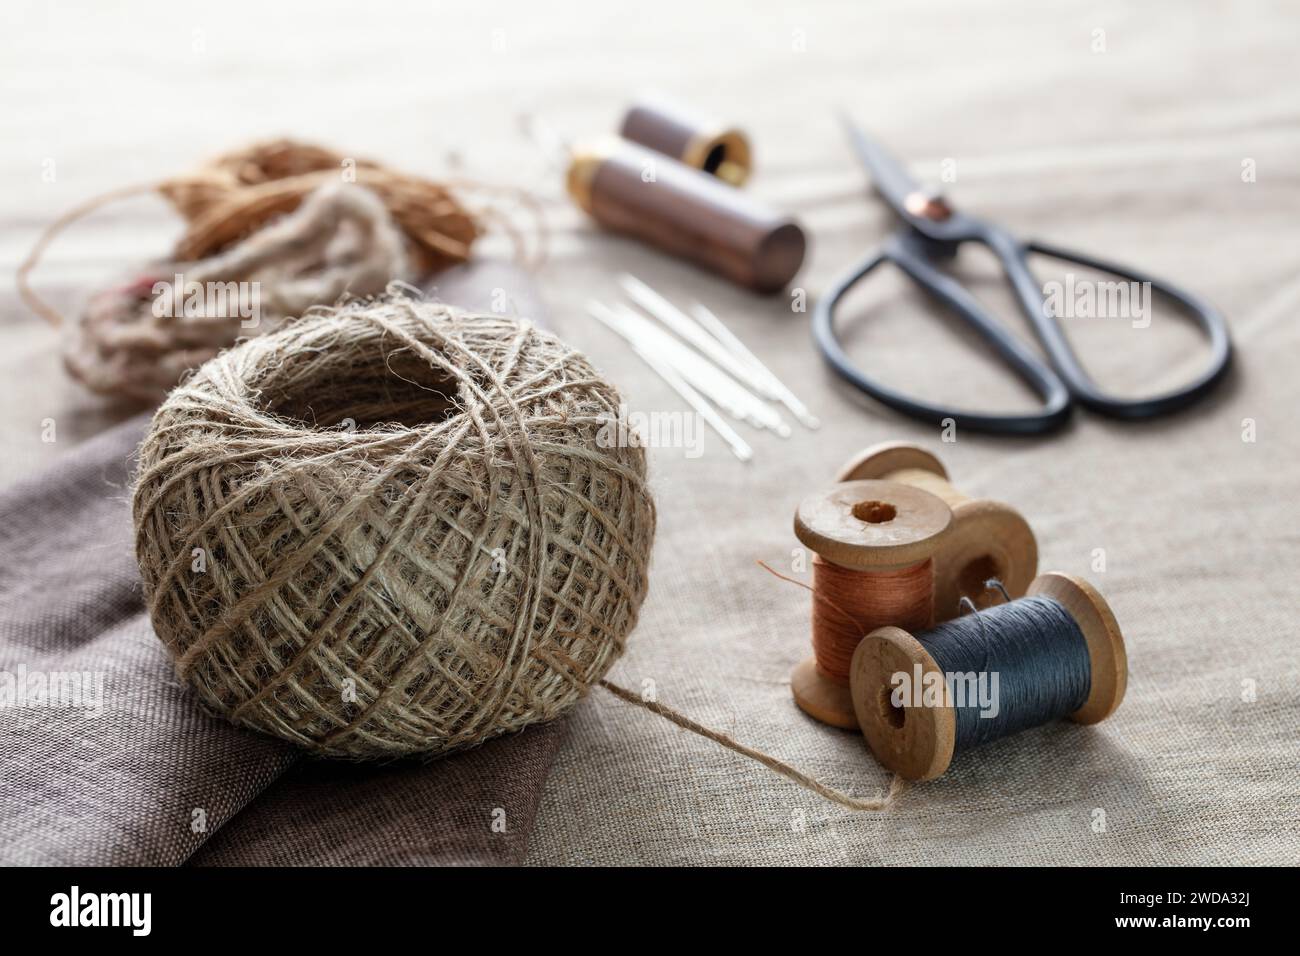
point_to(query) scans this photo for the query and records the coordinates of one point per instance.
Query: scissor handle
(908, 252)
(1014, 255)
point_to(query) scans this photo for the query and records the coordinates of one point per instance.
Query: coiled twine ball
(392, 528)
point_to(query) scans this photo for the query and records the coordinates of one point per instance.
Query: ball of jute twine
(392, 528)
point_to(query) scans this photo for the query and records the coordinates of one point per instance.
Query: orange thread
(864, 601)
(807, 587)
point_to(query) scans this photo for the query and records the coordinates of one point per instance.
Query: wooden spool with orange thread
(874, 544)
(989, 539)
(918, 742)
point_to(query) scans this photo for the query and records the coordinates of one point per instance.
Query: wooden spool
(989, 539)
(917, 742)
(866, 526)
(670, 128)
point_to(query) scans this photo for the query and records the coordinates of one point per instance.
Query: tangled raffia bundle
(392, 528)
(340, 242)
(256, 215)
(236, 194)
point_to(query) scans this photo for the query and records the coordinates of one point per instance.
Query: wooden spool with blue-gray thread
(918, 740)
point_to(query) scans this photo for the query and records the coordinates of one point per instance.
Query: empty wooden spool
(989, 539)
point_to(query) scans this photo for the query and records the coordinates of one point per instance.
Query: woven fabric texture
(1162, 134)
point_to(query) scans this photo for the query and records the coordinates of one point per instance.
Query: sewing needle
(691, 331)
(608, 317)
(719, 330)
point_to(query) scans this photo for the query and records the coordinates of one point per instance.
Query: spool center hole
(893, 715)
(717, 155)
(874, 512)
(973, 576)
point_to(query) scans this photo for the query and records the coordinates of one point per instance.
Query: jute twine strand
(784, 769)
(460, 559)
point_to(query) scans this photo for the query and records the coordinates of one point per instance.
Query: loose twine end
(784, 769)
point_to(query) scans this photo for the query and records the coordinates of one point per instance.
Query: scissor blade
(887, 174)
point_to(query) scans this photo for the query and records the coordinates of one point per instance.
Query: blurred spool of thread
(668, 127)
(635, 191)
(922, 698)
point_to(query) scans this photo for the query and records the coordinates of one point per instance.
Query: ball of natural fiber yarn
(392, 528)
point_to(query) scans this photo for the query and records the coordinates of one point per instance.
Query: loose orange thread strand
(862, 601)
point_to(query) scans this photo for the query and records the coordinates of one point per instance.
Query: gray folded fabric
(471, 808)
(108, 760)
(119, 766)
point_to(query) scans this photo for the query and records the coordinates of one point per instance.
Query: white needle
(689, 329)
(617, 320)
(703, 374)
(715, 326)
(699, 371)
(738, 446)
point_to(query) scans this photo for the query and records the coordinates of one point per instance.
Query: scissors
(932, 232)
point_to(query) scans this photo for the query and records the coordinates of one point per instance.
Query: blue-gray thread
(1038, 652)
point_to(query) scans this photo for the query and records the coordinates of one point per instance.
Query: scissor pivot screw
(927, 204)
